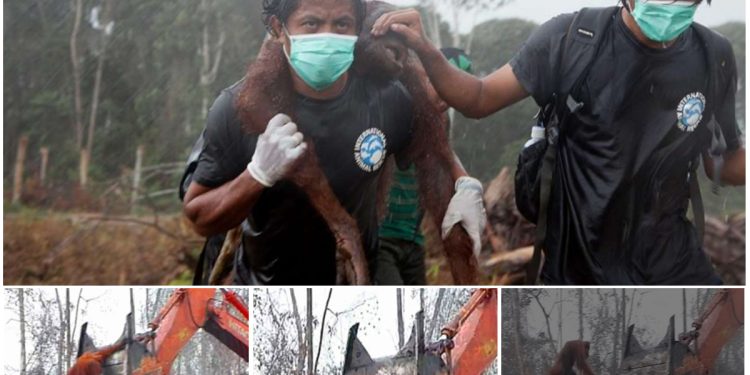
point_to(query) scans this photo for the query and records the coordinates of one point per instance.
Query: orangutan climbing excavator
(467, 345)
(151, 353)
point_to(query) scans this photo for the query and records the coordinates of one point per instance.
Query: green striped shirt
(404, 215)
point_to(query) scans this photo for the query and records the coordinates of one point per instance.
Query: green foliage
(151, 93)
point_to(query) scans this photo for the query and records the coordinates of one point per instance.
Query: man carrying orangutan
(354, 125)
(641, 93)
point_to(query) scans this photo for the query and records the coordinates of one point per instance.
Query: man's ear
(277, 29)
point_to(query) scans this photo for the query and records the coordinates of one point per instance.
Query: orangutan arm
(217, 210)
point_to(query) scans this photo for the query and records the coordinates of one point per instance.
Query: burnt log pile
(509, 237)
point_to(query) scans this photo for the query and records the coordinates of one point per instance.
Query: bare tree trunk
(68, 344)
(301, 352)
(209, 69)
(23, 143)
(400, 317)
(535, 294)
(106, 18)
(22, 318)
(322, 330)
(580, 314)
(61, 339)
(44, 159)
(434, 21)
(308, 332)
(516, 312)
(616, 332)
(559, 320)
(129, 366)
(436, 312)
(136, 178)
(74, 59)
(684, 311)
(75, 316)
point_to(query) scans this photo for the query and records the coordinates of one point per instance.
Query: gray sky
(373, 308)
(652, 311)
(720, 11)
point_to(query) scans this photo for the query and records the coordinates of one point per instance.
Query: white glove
(276, 151)
(467, 207)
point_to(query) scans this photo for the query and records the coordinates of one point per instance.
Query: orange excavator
(185, 312)
(467, 345)
(694, 352)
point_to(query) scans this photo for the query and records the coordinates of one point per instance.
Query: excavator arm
(723, 316)
(187, 311)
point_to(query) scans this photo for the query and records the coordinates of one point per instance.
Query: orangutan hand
(407, 23)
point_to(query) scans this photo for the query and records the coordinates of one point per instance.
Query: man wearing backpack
(640, 93)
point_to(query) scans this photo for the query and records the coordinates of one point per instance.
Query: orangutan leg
(350, 254)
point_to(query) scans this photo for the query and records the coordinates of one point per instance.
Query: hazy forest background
(304, 328)
(536, 323)
(104, 99)
(42, 329)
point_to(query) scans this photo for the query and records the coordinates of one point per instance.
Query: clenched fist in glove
(276, 151)
(467, 207)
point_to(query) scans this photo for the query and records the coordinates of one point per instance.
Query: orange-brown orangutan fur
(91, 363)
(268, 90)
(572, 359)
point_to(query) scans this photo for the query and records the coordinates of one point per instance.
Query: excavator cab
(413, 358)
(133, 353)
(694, 352)
(663, 359)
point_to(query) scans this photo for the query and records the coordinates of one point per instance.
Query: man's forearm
(213, 211)
(458, 89)
(733, 170)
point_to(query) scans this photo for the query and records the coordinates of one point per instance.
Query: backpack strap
(716, 55)
(581, 43)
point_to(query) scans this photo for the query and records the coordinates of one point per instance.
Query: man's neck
(636, 31)
(329, 93)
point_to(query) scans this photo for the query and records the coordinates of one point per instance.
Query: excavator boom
(724, 315)
(476, 334)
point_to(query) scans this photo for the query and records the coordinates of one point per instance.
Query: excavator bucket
(476, 340)
(413, 358)
(663, 359)
(85, 342)
(231, 331)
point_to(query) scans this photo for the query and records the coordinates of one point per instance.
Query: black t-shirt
(285, 240)
(620, 191)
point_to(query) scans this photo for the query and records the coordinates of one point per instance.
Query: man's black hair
(282, 9)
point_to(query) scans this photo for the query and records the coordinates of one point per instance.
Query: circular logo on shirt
(690, 111)
(370, 150)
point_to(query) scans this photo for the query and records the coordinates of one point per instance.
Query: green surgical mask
(662, 21)
(320, 59)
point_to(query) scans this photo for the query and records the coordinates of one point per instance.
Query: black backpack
(536, 163)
